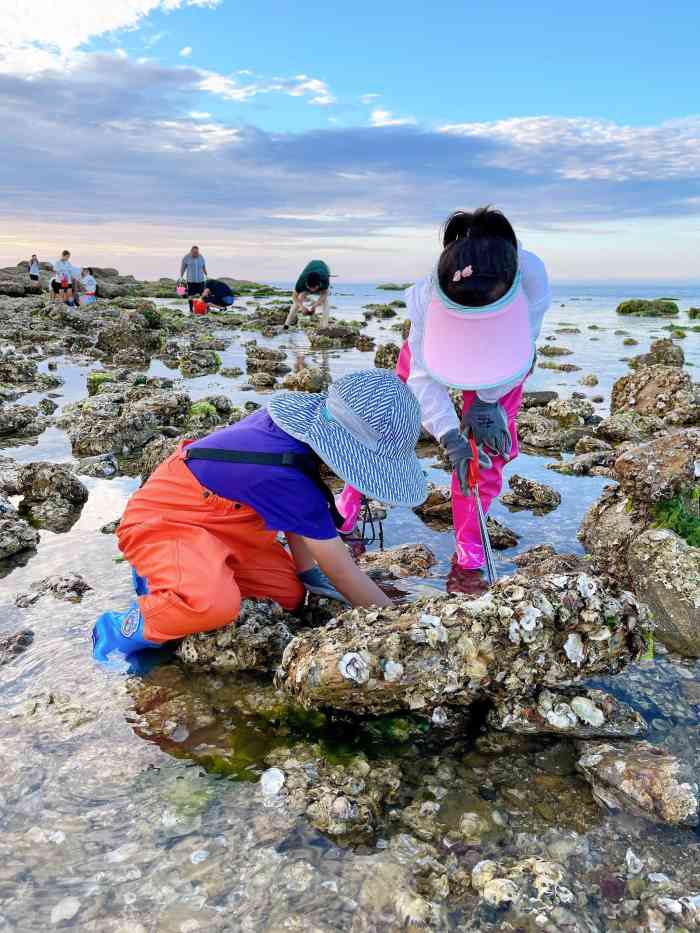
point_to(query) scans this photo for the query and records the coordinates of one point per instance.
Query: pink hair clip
(462, 274)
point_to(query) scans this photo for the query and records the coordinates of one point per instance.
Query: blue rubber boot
(315, 581)
(140, 584)
(121, 632)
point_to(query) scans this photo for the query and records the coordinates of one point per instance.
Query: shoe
(120, 632)
(317, 582)
(140, 584)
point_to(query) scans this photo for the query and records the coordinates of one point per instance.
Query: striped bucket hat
(365, 428)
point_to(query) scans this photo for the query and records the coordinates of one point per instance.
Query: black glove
(488, 423)
(459, 452)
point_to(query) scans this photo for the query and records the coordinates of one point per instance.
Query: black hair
(313, 280)
(485, 241)
(89, 270)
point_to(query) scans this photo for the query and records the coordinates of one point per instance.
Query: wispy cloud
(186, 51)
(380, 117)
(233, 88)
(368, 98)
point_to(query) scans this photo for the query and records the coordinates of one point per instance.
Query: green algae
(97, 378)
(680, 514)
(642, 307)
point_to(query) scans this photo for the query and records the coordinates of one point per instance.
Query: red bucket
(199, 306)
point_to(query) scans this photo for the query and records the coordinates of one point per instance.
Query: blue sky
(285, 130)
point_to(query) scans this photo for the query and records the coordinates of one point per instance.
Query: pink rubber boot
(470, 551)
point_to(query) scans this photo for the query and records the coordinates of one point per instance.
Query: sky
(270, 133)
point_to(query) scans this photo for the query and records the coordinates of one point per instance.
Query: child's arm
(536, 287)
(335, 561)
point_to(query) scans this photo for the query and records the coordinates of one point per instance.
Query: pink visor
(478, 348)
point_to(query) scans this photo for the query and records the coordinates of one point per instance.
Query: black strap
(287, 459)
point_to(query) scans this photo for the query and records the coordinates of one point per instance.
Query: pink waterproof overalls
(470, 553)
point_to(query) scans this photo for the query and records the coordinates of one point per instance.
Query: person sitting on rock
(88, 286)
(474, 323)
(63, 279)
(218, 293)
(34, 268)
(314, 280)
(201, 534)
(194, 268)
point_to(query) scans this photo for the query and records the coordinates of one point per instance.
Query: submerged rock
(529, 494)
(404, 560)
(582, 713)
(254, 642)
(530, 887)
(70, 587)
(450, 651)
(103, 467)
(52, 496)
(642, 778)
(643, 307)
(11, 646)
(663, 351)
(666, 574)
(16, 535)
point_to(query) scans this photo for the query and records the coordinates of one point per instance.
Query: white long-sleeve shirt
(437, 410)
(64, 267)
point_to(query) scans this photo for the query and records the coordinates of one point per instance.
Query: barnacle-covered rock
(333, 337)
(653, 390)
(642, 778)
(387, 356)
(580, 712)
(261, 380)
(550, 349)
(450, 650)
(53, 496)
(16, 535)
(666, 575)
(346, 801)
(628, 426)
(70, 587)
(596, 463)
(663, 351)
(608, 529)
(15, 368)
(21, 421)
(254, 642)
(558, 425)
(11, 646)
(128, 330)
(306, 380)
(529, 494)
(199, 362)
(531, 886)
(404, 560)
(661, 468)
(543, 559)
(265, 360)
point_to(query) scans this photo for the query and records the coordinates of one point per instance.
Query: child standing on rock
(474, 324)
(201, 533)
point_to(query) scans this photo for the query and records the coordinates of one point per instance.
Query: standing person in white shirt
(34, 268)
(63, 279)
(88, 286)
(194, 268)
(474, 324)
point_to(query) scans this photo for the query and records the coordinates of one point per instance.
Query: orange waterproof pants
(201, 554)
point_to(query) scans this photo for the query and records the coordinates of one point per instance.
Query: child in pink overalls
(474, 323)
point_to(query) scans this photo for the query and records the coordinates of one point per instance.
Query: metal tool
(491, 573)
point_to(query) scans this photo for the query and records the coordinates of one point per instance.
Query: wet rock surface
(16, 535)
(661, 391)
(52, 496)
(529, 494)
(405, 560)
(639, 777)
(452, 650)
(69, 587)
(662, 352)
(11, 646)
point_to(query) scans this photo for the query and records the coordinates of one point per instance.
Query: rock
(550, 349)
(231, 372)
(608, 529)
(598, 463)
(666, 574)
(663, 352)
(543, 559)
(588, 380)
(404, 560)
(437, 507)
(47, 406)
(642, 778)
(134, 357)
(262, 381)
(199, 362)
(559, 425)
(11, 646)
(102, 467)
(155, 452)
(254, 642)
(306, 380)
(9, 476)
(529, 494)
(111, 527)
(16, 535)
(333, 336)
(16, 369)
(526, 888)
(128, 331)
(69, 587)
(661, 468)
(21, 421)
(589, 445)
(628, 426)
(265, 360)
(501, 536)
(538, 399)
(559, 367)
(364, 343)
(653, 390)
(582, 713)
(53, 496)
(387, 356)
(448, 651)
(658, 307)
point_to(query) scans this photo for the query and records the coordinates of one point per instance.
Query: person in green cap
(314, 280)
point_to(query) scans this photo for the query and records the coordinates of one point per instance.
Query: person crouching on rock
(217, 293)
(314, 280)
(474, 323)
(201, 534)
(88, 286)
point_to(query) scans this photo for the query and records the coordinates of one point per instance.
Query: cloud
(230, 88)
(186, 52)
(380, 117)
(368, 98)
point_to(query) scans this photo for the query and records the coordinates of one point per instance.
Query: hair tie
(462, 274)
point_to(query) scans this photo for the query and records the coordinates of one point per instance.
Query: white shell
(586, 710)
(354, 667)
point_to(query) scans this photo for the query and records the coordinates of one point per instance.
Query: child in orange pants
(202, 532)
